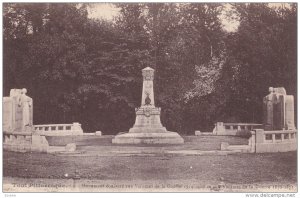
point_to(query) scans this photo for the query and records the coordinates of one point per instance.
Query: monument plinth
(147, 128)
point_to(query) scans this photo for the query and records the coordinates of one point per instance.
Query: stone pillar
(13, 138)
(76, 128)
(259, 133)
(8, 114)
(148, 77)
(268, 102)
(278, 112)
(282, 137)
(273, 138)
(6, 138)
(252, 142)
(289, 113)
(147, 116)
(219, 128)
(39, 143)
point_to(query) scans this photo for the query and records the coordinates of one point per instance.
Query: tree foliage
(79, 69)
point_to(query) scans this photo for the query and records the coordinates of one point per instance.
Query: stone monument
(17, 111)
(278, 110)
(147, 128)
(18, 131)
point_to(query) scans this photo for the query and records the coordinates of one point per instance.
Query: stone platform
(148, 138)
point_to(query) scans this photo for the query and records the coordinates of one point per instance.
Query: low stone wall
(275, 141)
(235, 129)
(24, 142)
(249, 148)
(59, 129)
(266, 142)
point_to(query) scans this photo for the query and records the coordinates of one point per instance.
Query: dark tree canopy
(79, 69)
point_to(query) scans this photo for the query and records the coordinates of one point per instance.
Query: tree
(89, 70)
(259, 56)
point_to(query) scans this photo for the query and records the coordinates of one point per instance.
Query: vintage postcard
(150, 97)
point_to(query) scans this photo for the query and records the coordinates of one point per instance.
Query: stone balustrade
(275, 141)
(267, 142)
(10, 137)
(59, 129)
(234, 128)
(24, 141)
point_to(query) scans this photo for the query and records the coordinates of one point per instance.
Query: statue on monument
(268, 109)
(26, 103)
(278, 110)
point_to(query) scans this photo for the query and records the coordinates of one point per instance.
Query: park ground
(89, 170)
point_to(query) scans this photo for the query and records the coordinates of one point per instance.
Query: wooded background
(79, 69)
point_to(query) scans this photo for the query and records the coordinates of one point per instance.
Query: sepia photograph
(149, 97)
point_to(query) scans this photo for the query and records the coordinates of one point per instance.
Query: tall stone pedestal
(148, 128)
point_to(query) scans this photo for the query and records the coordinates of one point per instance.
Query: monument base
(24, 142)
(148, 138)
(147, 129)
